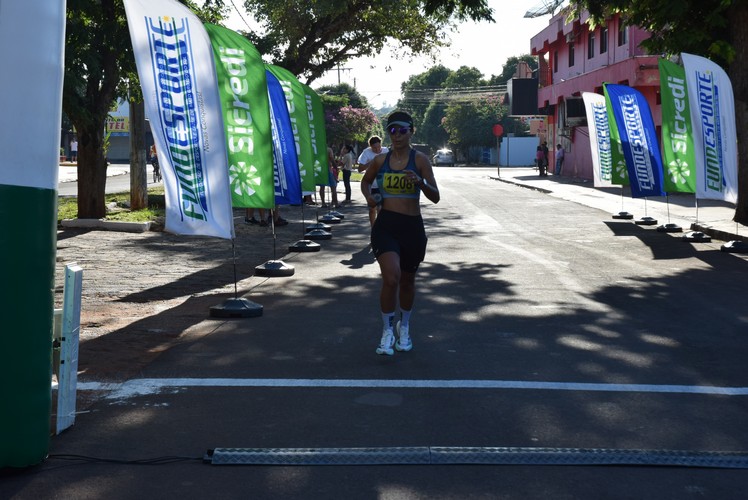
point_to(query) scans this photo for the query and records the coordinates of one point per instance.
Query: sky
(485, 46)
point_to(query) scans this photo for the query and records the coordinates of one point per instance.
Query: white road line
(137, 387)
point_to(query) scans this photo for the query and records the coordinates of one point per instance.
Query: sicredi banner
(597, 124)
(713, 121)
(246, 115)
(318, 136)
(175, 65)
(638, 139)
(287, 181)
(297, 112)
(679, 161)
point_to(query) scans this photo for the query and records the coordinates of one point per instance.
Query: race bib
(398, 184)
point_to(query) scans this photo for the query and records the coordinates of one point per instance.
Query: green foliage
(351, 125)
(311, 38)
(464, 77)
(510, 67)
(67, 207)
(470, 122)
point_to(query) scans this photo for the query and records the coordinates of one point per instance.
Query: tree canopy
(310, 38)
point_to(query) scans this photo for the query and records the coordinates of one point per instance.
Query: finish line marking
(145, 386)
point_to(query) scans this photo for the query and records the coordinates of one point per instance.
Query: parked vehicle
(444, 157)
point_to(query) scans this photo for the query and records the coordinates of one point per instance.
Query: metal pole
(498, 158)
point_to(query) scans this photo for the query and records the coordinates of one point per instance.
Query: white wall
(518, 151)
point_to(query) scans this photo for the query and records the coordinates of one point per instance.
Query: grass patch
(118, 203)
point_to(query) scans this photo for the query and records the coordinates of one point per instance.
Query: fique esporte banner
(32, 55)
(679, 162)
(297, 111)
(318, 136)
(287, 180)
(713, 122)
(620, 174)
(242, 86)
(639, 140)
(175, 65)
(597, 124)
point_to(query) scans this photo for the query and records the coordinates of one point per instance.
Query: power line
(241, 16)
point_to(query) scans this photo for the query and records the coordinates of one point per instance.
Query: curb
(110, 225)
(717, 234)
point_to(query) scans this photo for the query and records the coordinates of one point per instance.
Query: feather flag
(639, 140)
(246, 114)
(679, 162)
(175, 65)
(713, 122)
(619, 175)
(318, 136)
(298, 114)
(597, 123)
(287, 180)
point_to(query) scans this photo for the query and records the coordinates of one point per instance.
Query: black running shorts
(402, 234)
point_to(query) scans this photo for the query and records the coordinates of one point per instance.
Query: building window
(590, 45)
(555, 61)
(603, 40)
(623, 33)
(571, 53)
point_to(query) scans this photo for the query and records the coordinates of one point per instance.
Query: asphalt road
(539, 323)
(118, 180)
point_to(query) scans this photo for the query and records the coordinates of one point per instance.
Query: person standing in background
(559, 159)
(346, 163)
(367, 155)
(74, 150)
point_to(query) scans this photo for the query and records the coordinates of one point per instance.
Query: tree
(470, 122)
(717, 29)
(98, 55)
(351, 125)
(350, 95)
(310, 38)
(418, 91)
(510, 67)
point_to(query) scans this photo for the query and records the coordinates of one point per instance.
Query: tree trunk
(91, 173)
(738, 70)
(138, 172)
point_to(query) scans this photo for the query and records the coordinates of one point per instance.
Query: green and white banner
(297, 110)
(246, 118)
(32, 55)
(677, 138)
(620, 174)
(318, 136)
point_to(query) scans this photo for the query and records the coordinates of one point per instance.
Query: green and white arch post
(32, 35)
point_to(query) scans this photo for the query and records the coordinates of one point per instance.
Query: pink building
(572, 58)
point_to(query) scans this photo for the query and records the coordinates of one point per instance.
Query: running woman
(398, 237)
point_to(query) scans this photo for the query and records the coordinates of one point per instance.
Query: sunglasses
(394, 130)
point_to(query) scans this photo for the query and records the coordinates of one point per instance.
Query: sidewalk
(68, 172)
(712, 217)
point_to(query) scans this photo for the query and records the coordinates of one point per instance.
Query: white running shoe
(403, 338)
(385, 345)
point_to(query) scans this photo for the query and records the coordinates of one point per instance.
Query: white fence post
(67, 371)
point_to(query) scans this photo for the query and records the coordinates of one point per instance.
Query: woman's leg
(389, 265)
(347, 183)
